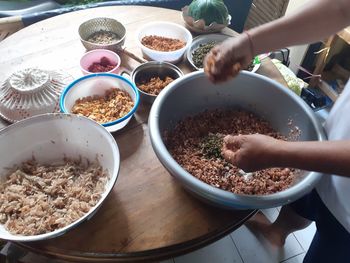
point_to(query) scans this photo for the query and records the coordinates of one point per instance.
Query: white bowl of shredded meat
(55, 172)
(164, 41)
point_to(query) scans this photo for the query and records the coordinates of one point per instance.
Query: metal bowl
(50, 138)
(194, 93)
(94, 25)
(152, 69)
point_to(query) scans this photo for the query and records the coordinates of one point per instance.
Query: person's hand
(225, 60)
(251, 152)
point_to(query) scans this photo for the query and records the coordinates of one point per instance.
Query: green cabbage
(209, 10)
(294, 83)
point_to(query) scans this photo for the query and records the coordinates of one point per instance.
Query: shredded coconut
(38, 199)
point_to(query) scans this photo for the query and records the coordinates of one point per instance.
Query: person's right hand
(225, 60)
(251, 152)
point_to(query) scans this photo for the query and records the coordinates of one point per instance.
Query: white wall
(297, 53)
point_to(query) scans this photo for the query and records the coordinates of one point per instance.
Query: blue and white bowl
(98, 84)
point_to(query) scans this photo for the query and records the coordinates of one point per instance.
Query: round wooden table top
(148, 215)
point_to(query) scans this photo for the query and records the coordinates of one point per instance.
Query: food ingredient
(211, 145)
(37, 199)
(225, 72)
(155, 85)
(199, 53)
(209, 10)
(103, 37)
(104, 65)
(160, 43)
(294, 83)
(195, 143)
(114, 104)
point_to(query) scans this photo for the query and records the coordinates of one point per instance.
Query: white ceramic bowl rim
(92, 210)
(188, 33)
(107, 124)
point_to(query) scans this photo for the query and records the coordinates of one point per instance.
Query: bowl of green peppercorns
(201, 46)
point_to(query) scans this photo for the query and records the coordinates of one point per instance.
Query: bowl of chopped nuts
(102, 33)
(164, 41)
(152, 77)
(100, 60)
(109, 99)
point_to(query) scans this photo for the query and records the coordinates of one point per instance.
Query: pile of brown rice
(185, 143)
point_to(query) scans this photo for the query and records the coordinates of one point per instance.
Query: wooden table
(148, 215)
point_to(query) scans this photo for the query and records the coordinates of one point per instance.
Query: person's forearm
(313, 22)
(332, 157)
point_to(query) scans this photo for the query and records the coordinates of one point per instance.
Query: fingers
(229, 156)
(219, 68)
(211, 63)
(225, 60)
(233, 142)
(231, 148)
(208, 67)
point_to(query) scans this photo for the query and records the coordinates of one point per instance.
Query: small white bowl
(49, 138)
(164, 29)
(95, 56)
(98, 84)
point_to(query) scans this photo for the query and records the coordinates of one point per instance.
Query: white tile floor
(244, 247)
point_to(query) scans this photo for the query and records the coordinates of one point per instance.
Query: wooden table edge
(147, 255)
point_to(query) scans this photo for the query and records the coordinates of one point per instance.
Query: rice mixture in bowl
(196, 142)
